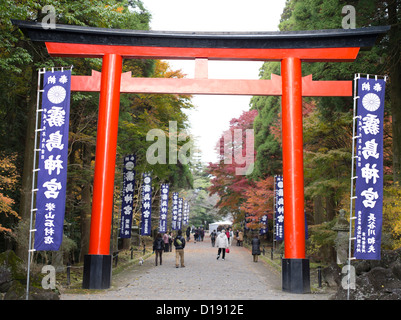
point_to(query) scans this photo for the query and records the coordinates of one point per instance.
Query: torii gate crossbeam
(291, 48)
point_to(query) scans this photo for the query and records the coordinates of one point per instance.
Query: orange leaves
(259, 201)
(8, 181)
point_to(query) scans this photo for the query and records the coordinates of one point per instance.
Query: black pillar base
(97, 271)
(295, 275)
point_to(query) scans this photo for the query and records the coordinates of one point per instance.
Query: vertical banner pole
(40, 72)
(351, 216)
(97, 264)
(295, 270)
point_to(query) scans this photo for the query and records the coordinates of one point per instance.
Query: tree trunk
(318, 210)
(27, 174)
(86, 204)
(330, 207)
(395, 87)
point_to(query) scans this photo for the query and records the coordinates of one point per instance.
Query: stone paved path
(203, 278)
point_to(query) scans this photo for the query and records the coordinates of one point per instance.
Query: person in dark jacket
(255, 248)
(158, 246)
(179, 243)
(213, 237)
(188, 233)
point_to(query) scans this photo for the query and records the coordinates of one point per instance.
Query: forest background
(327, 128)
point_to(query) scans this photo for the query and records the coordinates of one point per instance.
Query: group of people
(221, 239)
(238, 235)
(165, 243)
(199, 234)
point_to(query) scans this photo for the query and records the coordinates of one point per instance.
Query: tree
(383, 58)
(268, 160)
(259, 202)
(19, 59)
(226, 183)
(8, 184)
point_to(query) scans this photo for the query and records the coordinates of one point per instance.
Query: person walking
(188, 233)
(158, 246)
(240, 238)
(237, 237)
(222, 244)
(213, 237)
(165, 240)
(170, 242)
(179, 243)
(228, 236)
(255, 248)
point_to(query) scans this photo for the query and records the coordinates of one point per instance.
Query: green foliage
(19, 60)
(328, 120)
(267, 145)
(327, 158)
(321, 238)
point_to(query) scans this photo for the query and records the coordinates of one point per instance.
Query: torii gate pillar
(295, 268)
(288, 47)
(97, 271)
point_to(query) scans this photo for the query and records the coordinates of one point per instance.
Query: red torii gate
(291, 48)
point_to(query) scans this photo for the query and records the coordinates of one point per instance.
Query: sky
(213, 112)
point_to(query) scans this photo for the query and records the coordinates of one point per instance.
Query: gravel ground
(203, 278)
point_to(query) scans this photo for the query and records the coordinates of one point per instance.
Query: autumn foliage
(8, 181)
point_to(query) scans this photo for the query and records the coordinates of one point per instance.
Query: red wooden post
(294, 224)
(295, 268)
(98, 260)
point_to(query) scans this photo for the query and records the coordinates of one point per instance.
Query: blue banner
(279, 207)
(52, 174)
(127, 196)
(369, 169)
(163, 208)
(174, 217)
(186, 212)
(146, 205)
(179, 218)
(263, 221)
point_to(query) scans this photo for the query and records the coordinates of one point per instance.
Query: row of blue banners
(180, 209)
(52, 174)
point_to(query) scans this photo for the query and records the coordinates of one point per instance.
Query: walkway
(203, 278)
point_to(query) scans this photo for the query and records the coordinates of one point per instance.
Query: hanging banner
(369, 169)
(263, 221)
(127, 196)
(52, 174)
(279, 207)
(186, 212)
(179, 217)
(174, 212)
(146, 205)
(163, 208)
